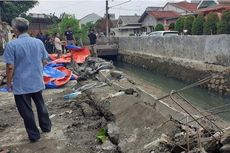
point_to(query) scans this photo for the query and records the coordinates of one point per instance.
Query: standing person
(69, 36)
(24, 57)
(57, 44)
(49, 44)
(92, 39)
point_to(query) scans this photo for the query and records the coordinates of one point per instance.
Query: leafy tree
(67, 20)
(210, 25)
(12, 9)
(188, 23)
(197, 26)
(226, 19)
(180, 24)
(85, 28)
(159, 27)
(172, 26)
(222, 27)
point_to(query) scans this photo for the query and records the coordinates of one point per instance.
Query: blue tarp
(3, 89)
(52, 72)
(73, 47)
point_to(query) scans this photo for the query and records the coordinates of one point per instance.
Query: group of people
(56, 44)
(24, 57)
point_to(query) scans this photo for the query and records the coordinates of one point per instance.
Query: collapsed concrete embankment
(107, 99)
(187, 58)
(137, 122)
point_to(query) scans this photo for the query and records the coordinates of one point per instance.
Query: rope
(190, 86)
(190, 114)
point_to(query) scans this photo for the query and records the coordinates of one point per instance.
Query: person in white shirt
(57, 44)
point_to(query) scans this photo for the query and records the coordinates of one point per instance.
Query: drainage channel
(199, 97)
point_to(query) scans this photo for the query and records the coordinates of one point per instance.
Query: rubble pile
(191, 139)
(91, 66)
(185, 138)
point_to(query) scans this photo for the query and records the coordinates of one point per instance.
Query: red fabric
(63, 81)
(59, 81)
(163, 14)
(79, 56)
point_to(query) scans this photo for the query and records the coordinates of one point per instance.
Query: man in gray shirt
(24, 58)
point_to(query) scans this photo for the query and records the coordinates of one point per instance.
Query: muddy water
(199, 97)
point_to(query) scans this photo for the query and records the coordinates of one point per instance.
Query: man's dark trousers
(24, 106)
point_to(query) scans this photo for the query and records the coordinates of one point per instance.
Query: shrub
(210, 25)
(197, 25)
(188, 23)
(159, 27)
(172, 26)
(180, 24)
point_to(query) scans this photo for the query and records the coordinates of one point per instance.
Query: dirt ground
(75, 125)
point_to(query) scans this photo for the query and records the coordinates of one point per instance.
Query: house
(89, 18)
(150, 19)
(182, 8)
(127, 26)
(224, 2)
(206, 4)
(222, 6)
(154, 8)
(39, 23)
(217, 9)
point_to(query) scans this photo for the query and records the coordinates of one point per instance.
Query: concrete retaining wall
(209, 49)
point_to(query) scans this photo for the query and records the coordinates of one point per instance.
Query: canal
(199, 97)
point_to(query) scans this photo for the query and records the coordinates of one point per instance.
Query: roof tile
(163, 14)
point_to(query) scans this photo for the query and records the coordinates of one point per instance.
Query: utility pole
(107, 13)
(107, 18)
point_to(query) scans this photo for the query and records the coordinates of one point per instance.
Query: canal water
(199, 97)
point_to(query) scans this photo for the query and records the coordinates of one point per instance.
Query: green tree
(12, 9)
(210, 25)
(180, 24)
(85, 28)
(222, 27)
(172, 26)
(197, 25)
(188, 20)
(159, 27)
(226, 19)
(67, 20)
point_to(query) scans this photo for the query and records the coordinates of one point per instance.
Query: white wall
(210, 49)
(122, 33)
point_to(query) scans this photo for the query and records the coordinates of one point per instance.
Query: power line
(120, 4)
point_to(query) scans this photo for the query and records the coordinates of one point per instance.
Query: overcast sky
(83, 7)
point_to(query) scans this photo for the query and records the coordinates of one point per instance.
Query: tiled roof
(218, 7)
(186, 5)
(163, 14)
(129, 19)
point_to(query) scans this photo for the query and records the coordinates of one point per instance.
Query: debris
(72, 95)
(52, 116)
(108, 146)
(113, 132)
(116, 74)
(225, 148)
(87, 111)
(4, 151)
